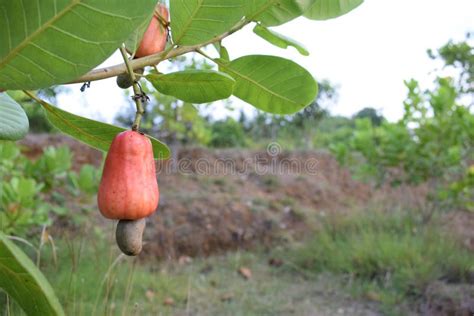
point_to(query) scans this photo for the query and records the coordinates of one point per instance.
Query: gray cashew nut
(129, 235)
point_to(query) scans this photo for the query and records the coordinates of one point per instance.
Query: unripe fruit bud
(124, 81)
(129, 189)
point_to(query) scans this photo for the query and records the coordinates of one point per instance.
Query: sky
(367, 53)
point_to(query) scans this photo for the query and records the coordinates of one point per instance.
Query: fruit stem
(136, 90)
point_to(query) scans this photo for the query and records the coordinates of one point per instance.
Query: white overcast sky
(367, 53)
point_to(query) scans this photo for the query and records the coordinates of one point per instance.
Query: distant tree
(227, 133)
(461, 57)
(372, 114)
(300, 126)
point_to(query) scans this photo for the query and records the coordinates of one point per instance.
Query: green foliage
(394, 253)
(13, 121)
(32, 57)
(37, 118)
(21, 279)
(329, 9)
(194, 86)
(190, 19)
(459, 56)
(433, 143)
(86, 180)
(93, 133)
(371, 114)
(227, 133)
(133, 41)
(279, 86)
(33, 192)
(278, 39)
(275, 12)
(300, 130)
(53, 164)
(171, 119)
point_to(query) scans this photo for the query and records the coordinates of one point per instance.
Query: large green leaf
(194, 86)
(49, 42)
(272, 84)
(329, 9)
(278, 39)
(93, 133)
(275, 12)
(20, 278)
(13, 121)
(199, 21)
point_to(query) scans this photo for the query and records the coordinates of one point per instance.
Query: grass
(355, 265)
(391, 258)
(92, 278)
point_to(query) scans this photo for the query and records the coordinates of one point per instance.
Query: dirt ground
(215, 200)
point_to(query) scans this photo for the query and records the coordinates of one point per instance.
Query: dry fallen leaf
(149, 294)
(168, 301)
(275, 262)
(246, 273)
(184, 260)
(227, 297)
(373, 296)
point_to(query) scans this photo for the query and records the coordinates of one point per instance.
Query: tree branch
(113, 71)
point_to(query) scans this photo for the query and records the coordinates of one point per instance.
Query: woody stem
(136, 90)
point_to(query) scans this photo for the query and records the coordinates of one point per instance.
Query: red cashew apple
(155, 36)
(129, 189)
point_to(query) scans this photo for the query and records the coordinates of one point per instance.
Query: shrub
(32, 191)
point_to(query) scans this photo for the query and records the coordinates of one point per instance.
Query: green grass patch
(390, 257)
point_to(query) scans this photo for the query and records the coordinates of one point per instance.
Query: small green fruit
(124, 81)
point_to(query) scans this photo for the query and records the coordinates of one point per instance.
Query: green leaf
(52, 42)
(199, 21)
(275, 12)
(22, 280)
(279, 40)
(195, 86)
(93, 133)
(13, 120)
(272, 84)
(329, 9)
(224, 54)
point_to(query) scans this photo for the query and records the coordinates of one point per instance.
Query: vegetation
(392, 256)
(433, 143)
(389, 257)
(30, 197)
